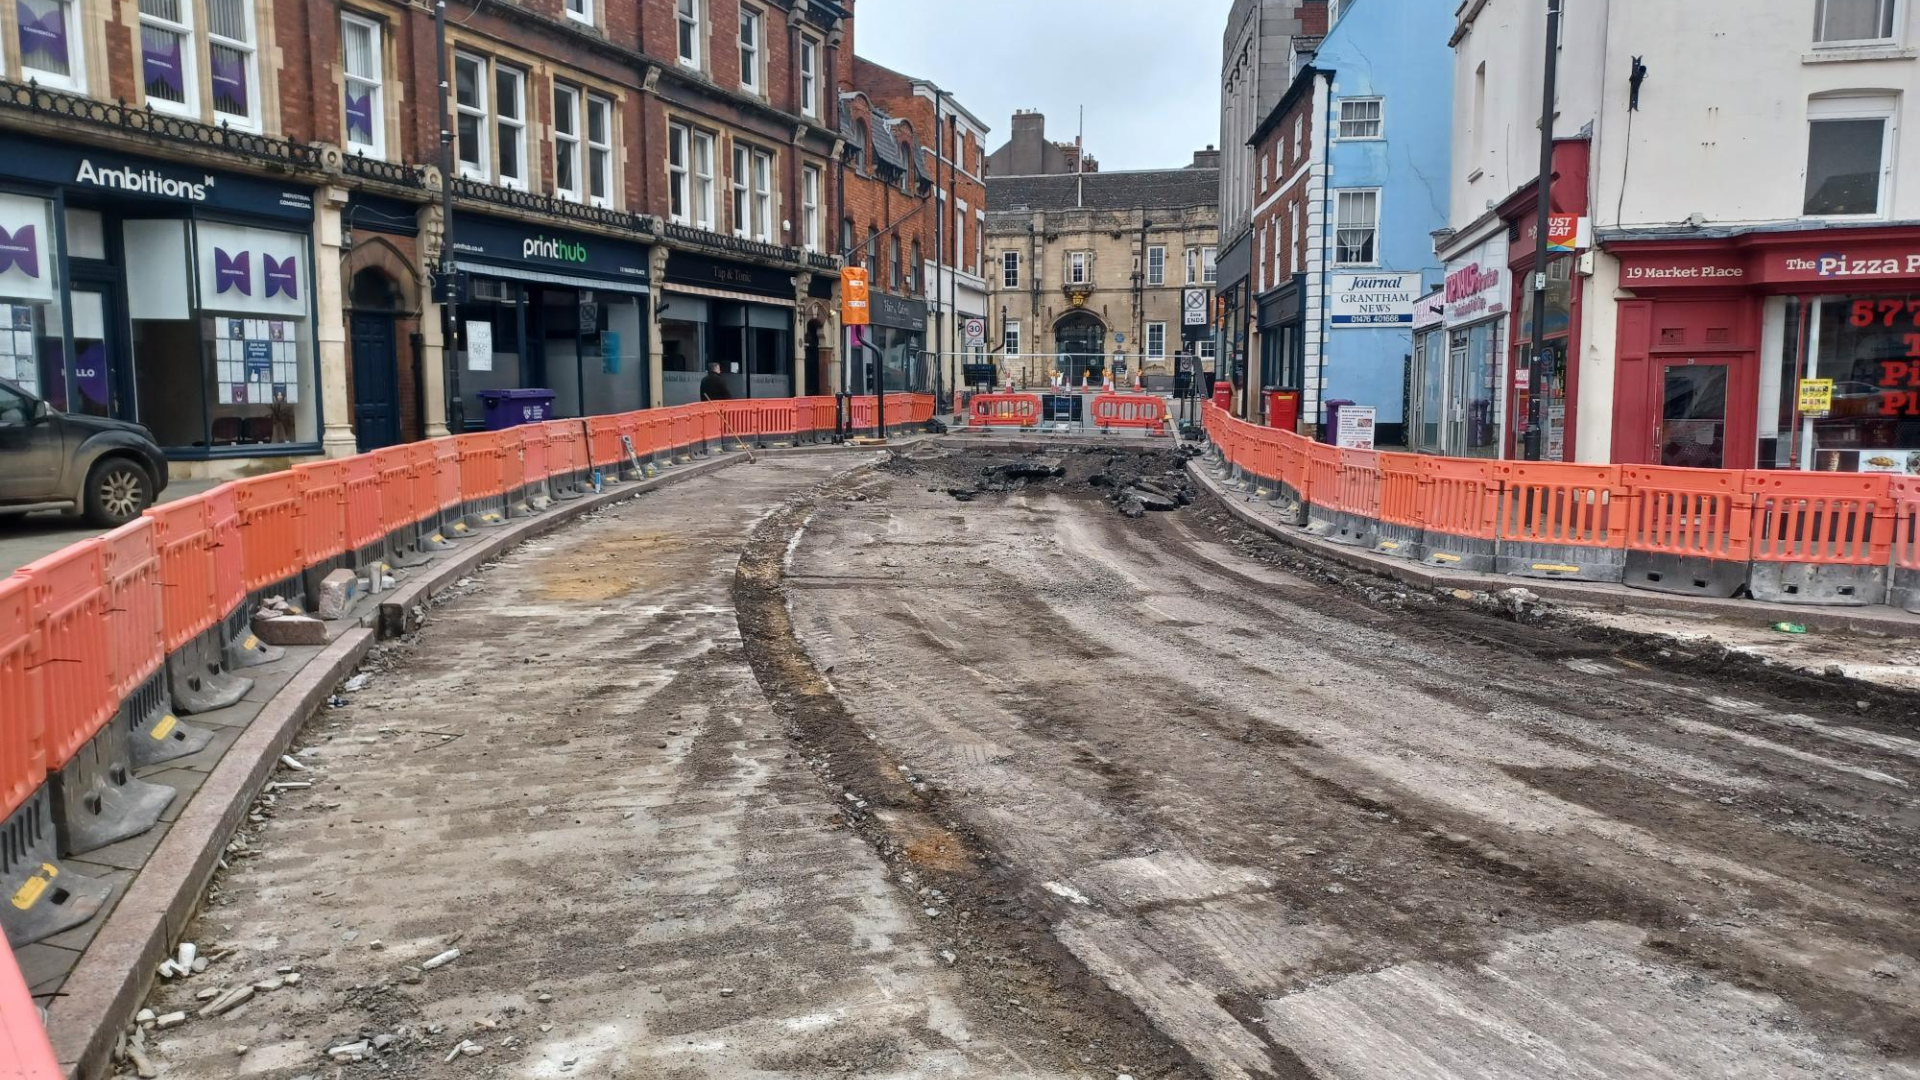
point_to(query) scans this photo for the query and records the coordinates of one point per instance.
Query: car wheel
(117, 492)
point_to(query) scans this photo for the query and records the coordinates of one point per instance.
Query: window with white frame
(580, 11)
(1263, 174)
(1848, 159)
(753, 29)
(960, 260)
(1010, 270)
(679, 174)
(1156, 340)
(705, 190)
(1361, 118)
(230, 62)
(1156, 266)
(1286, 241)
(1260, 262)
(1853, 22)
(510, 113)
(566, 142)
(1078, 268)
(1282, 253)
(1010, 337)
(1357, 228)
(809, 76)
(1205, 351)
(742, 186)
(763, 196)
(167, 67)
(1193, 266)
(1300, 134)
(1209, 266)
(361, 63)
(810, 185)
(48, 34)
(686, 16)
(470, 117)
(599, 150)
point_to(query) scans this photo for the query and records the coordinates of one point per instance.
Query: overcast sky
(1148, 71)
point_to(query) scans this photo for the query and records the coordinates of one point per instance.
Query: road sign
(1194, 307)
(975, 330)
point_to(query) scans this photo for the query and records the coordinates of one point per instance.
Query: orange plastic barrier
(135, 637)
(394, 468)
(708, 428)
(446, 473)
(70, 661)
(183, 540)
(1461, 509)
(513, 461)
(1143, 412)
(1689, 531)
(479, 466)
(271, 529)
(1904, 588)
(1402, 520)
(323, 509)
(25, 1052)
(423, 472)
(366, 527)
(229, 549)
(1821, 538)
(23, 751)
(1323, 474)
(779, 419)
(603, 441)
(1561, 520)
(533, 453)
(999, 410)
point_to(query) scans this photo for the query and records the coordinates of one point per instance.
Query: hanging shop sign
(1372, 299)
(1568, 233)
(1479, 285)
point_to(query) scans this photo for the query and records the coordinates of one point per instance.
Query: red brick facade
(1283, 152)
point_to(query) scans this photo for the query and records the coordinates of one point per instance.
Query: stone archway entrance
(1080, 347)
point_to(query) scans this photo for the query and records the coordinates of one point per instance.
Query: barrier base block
(247, 650)
(1444, 551)
(1537, 560)
(155, 733)
(1827, 586)
(39, 897)
(1684, 575)
(1904, 593)
(96, 799)
(197, 677)
(1398, 541)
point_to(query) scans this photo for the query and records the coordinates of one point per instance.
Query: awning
(546, 278)
(724, 294)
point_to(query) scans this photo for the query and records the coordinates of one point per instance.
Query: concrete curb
(117, 968)
(1883, 621)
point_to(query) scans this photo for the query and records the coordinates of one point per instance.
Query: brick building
(639, 190)
(1288, 186)
(1088, 268)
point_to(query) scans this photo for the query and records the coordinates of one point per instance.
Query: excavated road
(796, 771)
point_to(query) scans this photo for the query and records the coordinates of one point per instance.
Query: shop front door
(98, 372)
(376, 381)
(1701, 425)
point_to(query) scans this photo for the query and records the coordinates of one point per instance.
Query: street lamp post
(1537, 354)
(449, 294)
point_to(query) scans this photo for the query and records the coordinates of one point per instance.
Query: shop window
(1010, 270)
(167, 71)
(686, 16)
(364, 89)
(1869, 345)
(1852, 22)
(683, 329)
(599, 150)
(1156, 266)
(50, 46)
(810, 184)
(809, 77)
(752, 34)
(230, 62)
(1358, 228)
(492, 362)
(257, 351)
(32, 337)
(566, 142)
(86, 234)
(1362, 118)
(1846, 156)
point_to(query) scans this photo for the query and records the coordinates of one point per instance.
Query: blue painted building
(1377, 96)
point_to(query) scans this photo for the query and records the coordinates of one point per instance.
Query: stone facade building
(1028, 151)
(1086, 270)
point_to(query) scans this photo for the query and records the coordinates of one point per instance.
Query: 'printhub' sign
(540, 247)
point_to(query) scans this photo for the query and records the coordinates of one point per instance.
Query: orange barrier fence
(1689, 531)
(323, 509)
(1004, 410)
(72, 671)
(23, 750)
(366, 524)
(229, 559)
(1145, 412)
(271, 541)
(446, 474)
(25, 1052)
(1823, 538)
(1461, 509)
(183, 539)
(1560, 520)
(135, 635)
(603, 441)
(1401, 523)
(394, 467)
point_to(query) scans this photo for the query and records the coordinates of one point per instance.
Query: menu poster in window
(1898, 462)
(251, 271)
(479, 345)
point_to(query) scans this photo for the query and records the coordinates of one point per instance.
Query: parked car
(109, 470)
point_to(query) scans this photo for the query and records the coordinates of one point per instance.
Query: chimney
(1206, 159)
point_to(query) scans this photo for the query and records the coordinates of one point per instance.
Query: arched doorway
(376, 369)
(1080, 346)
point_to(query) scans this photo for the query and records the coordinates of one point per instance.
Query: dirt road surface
(793, 771)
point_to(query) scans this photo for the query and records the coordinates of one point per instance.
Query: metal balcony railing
(475, 191)
(119, 116)
(390, 172)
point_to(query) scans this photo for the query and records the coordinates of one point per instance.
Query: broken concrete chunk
(169, 1020)
(238, 995)
(442, 960)
(338, 591)
(144, 1016)
(286, 630)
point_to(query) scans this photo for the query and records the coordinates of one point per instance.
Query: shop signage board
(898, 312)
(1479, 284)
(1355, 430)
(116, 175)
(1816, 397)
(1763, 259)
(1568, 233)
(538, 247)
(1359, 300)
(705, 271)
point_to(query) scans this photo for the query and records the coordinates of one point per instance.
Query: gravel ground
(795, 772)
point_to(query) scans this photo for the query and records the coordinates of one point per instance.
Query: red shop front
(1559, 369)
(1721, 335)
